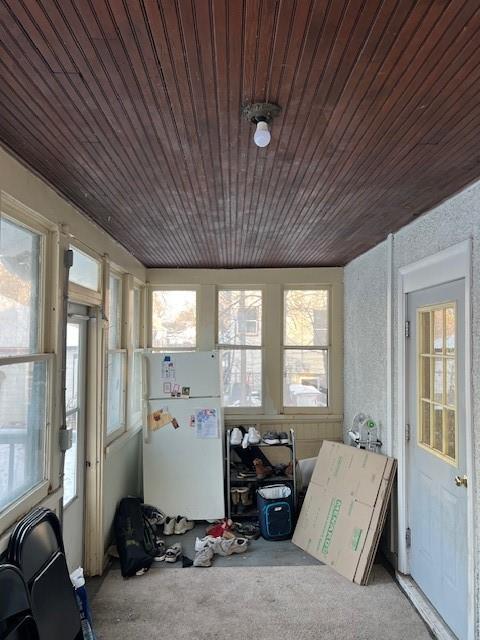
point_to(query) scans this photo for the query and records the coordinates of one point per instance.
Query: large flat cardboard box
(345, 508)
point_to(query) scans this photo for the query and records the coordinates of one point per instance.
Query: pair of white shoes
(177, 526)
(252, 436)
(207, 547)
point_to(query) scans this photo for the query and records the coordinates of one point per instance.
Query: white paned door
(74, 468)
(437, 492)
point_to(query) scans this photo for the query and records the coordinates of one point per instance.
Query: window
(437, 381)
(85, 270)
(240, 344)
(116, 360)
(72, 406)
(174, 319)
(24, 370)
(135, 402)
(306, 348)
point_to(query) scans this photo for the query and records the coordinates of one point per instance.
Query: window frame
(152, 290)
(78, 293)
(114, 272)
(23, 216)
(237, 347)
(288, 410)
(134, 420)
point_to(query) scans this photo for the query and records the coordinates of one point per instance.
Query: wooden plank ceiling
(131, 108)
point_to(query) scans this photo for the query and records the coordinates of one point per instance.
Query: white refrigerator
(183, 459)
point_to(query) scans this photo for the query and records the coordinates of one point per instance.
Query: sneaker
(160, 551)
(224, 547)
(173, 553)
(169, 526)
(203, 558)
(261, 470)
(283, 437)
(236, 436)
(182, 525)
(201, 543)
(271, 437)
(247, 530)
(254, 436)
(245, 441)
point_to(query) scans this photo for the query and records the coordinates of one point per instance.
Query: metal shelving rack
(231, 478)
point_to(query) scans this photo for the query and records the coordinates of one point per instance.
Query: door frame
(453, 263)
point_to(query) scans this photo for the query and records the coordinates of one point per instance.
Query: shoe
(289, 470)
(271, 437)
(236, 436)
(245, 441)
(201, 543)
(247, 474)
(224, 547)
(235, 496)
(247, 530)
(173, 553)
(154, 516)
(283, 437)
(254, 436)
(245, 496)
(160, 551)
(203, 558)
(182, 525)
(219, 528)
(261, 470)
(169, 526)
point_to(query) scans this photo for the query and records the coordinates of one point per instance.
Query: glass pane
(136, 390)
(425, 345)
(174, 319)
(438, 380)
(115, 313)
(305, 378)
(437, 428)
(85, 270)
(450, 425)
(19, 289)
(115, 391)
(450, 382)
(242, 377)
(450, 330)
(137, 318)
(23, 399)
(425, 377)
(240, 317)
(71, 462)
(425, 423)
(306, 317)
(71, 387)
(438, 331)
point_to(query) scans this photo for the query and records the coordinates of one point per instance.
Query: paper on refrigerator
(206, 423)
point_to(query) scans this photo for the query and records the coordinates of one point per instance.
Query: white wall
(365, 333)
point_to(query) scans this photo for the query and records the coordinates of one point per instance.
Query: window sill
(120, 441)
(281, 418)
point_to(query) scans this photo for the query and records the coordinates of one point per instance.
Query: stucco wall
(365, 337)
(365, 284)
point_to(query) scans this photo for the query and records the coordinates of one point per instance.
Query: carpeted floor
(260, 603)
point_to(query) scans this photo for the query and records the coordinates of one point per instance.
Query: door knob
(461, 480)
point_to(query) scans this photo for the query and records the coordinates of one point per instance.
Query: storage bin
(276, 511)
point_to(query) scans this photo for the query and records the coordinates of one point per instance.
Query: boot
(261, 470)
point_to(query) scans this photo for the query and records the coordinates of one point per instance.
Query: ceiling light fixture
(261, 115)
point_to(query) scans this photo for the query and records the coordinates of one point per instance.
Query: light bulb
(262, 134)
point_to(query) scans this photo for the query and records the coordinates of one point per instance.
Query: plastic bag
(78, 582)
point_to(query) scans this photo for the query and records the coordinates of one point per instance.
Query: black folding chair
(36, 547)
(16, 620)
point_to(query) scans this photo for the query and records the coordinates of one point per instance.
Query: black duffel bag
(129, 528)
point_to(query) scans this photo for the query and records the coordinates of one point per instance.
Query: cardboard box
(345, 508)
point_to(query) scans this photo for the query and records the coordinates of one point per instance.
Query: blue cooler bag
(275, 508)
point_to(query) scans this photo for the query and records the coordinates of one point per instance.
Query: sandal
(173, 553)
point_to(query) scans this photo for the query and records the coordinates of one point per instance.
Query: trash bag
(78, 582)
(129, 528)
